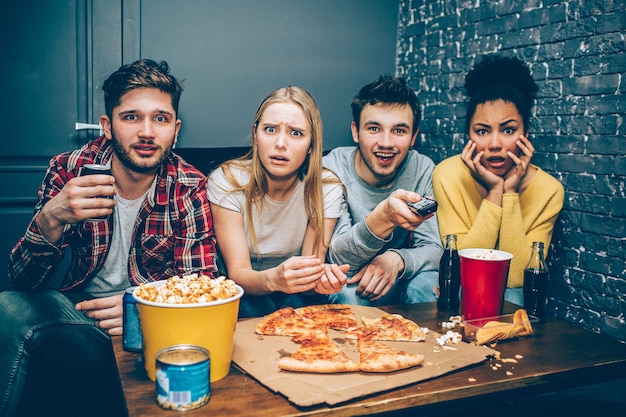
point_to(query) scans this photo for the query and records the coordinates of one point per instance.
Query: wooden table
(559, 355)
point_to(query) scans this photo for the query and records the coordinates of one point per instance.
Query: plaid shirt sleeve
(33, 260)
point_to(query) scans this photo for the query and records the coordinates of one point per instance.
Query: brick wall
(576, 51)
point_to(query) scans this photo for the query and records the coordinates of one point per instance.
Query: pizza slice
(378, 357)
(317, 354)
(286, 322)
(333, 316)
(392, 327)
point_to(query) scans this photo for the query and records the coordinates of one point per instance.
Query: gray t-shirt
(281, 225)
(353, 243)
(113, 277)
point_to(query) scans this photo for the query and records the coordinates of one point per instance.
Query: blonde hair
(310, 172)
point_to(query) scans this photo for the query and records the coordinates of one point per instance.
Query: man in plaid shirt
(150, 219)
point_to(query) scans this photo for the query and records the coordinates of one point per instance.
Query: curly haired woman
(490, 195)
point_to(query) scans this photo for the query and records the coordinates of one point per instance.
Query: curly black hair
(497, 77)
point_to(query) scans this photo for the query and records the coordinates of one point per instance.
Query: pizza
(317, 353)
(286, 322)
(333, 316)
(378, 357)
(391, 327)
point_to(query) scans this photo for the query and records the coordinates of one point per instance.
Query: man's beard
(127, 161)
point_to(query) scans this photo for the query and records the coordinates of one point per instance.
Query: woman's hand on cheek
(486, 178)
(527, 150)
(467, 155)
(514, 177)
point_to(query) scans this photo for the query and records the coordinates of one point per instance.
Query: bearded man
(146, 221)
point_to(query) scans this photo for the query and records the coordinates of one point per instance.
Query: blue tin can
(183, 377)
(132, 340)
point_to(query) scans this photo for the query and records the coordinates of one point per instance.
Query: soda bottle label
(535, 292)
(536, 282)
(449, 277)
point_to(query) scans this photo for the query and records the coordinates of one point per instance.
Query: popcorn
(487, 254)
(449, 337)
(189, 289)
(454, 320)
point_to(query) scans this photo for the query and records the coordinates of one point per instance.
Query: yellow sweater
(481, 224)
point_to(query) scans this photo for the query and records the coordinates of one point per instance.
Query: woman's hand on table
(333, 280)
(297, 274)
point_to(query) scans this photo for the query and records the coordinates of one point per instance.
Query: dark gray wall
(42, 98)
(232, 54)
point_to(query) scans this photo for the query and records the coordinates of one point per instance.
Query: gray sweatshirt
(353, 243)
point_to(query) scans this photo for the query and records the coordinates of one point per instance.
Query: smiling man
(146, 221)
(393, 253)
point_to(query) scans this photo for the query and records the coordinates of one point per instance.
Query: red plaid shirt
(173, 232)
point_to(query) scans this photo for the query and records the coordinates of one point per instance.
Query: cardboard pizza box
(258, 356)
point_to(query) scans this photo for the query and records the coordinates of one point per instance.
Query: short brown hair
(144, 73)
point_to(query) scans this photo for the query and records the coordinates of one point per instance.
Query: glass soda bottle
(536, 282)
(449, 277)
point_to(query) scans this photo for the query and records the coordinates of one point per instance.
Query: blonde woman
(275, 209)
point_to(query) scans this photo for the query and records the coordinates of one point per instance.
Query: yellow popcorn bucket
(210, 325)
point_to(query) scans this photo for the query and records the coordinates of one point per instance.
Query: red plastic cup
(484, 273)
